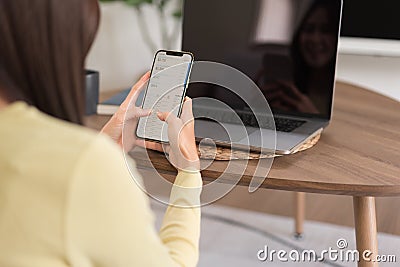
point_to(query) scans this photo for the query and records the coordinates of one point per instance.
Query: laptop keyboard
(249, 119)
(281, 124)
(287, 125)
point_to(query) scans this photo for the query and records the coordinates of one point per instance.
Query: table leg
(299, 204)
(365, 224)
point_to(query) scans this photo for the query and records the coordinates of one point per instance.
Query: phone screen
(165, 92)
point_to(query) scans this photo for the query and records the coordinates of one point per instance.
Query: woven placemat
(212, 152)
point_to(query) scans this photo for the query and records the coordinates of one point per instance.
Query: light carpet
(233, 237)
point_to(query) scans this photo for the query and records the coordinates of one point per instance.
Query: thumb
(136, 112)
(163, 116)
(135, 91)
(143, 112)
(187, 110)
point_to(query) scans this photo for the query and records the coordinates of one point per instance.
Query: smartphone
(165, 92)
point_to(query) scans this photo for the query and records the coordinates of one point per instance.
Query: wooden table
(357, 155)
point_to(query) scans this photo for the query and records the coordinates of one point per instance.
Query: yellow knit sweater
(67, 199)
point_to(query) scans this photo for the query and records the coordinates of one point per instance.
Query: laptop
(288, 48)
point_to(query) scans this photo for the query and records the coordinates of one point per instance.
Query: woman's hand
(126, 118)
(182, 145)
(286, 96)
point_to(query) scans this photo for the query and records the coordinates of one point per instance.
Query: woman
(66, 196)
(313, 53)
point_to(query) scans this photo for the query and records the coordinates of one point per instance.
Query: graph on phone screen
(164, 93)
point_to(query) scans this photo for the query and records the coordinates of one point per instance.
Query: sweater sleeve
(108, 219)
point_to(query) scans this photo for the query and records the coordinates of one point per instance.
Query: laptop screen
(287, 47)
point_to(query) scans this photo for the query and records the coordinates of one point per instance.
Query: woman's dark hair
(43, 48)
(301, 69)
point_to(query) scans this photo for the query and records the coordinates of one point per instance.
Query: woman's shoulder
(39, 137)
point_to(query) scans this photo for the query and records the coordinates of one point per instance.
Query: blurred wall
(119, 52)
(121, 56)
(378, 73)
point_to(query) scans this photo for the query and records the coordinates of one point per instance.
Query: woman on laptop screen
(313, 54)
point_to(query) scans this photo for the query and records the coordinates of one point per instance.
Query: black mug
(92, 91)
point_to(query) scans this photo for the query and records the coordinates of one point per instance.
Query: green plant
(167, 36)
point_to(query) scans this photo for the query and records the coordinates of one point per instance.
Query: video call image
(287, 47)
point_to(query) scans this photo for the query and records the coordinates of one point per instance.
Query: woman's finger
(134, 112)
(187, 110)
(142, 112)
(163, 115)
(139, 85)
(292, 88)
(273, 96)
(135, 91)
(289, 101)
(167, 117)
(269, 87)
